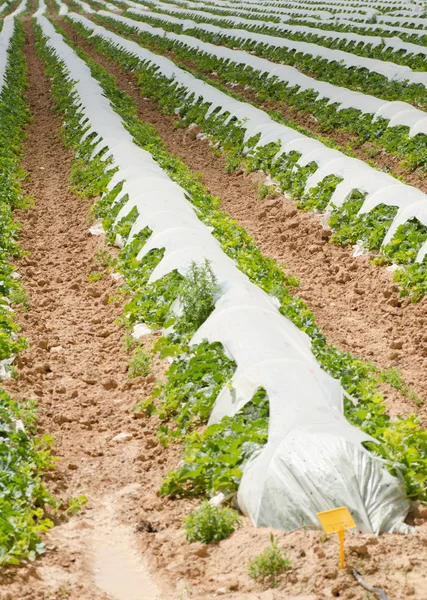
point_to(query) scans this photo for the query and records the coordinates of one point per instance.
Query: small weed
(268, 565)
(76, 504)
(104, 258)
(197, 295)
(19, 297)
(209, 523)
(372, 151)
(139, 365)
(265, 190)
(95, 276)
(394, 378)
(129, 343)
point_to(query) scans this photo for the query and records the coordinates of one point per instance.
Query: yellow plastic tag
(337, 519)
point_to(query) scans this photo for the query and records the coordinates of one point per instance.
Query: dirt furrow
(355, 303)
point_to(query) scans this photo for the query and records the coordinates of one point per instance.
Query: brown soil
(377, 156)
(77, 371)
(355, 303)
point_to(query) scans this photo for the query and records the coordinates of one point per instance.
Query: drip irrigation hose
(368, 587)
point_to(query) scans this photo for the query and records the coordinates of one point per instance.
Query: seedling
(267, 566)
(76, 504)
(95, 276)
(140, 363)
(129, 343)
(210, 523)
(19, 297)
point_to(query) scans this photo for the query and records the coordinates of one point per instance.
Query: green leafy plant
(197, 295)
(104, 258)
(140, 364)
(270, 564)
(75, 505)
(19, 297)
(210, 523)
(265, 190)
(95, 276)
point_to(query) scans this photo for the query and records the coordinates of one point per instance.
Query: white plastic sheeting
(356, 174)
(5, 36)
(85, 6)
(390, 70)
(265, 345)
(63, 8)
(41, 9)
(399, 113)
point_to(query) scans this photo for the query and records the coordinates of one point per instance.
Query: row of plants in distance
(213, 457)
(413, 37)
(330, 116)
(367, 48)
(330, 70)
(23, 457)
(348, 226)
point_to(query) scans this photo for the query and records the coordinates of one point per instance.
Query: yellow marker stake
(337, 520)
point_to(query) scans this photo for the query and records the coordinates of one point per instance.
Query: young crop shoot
(268, 566)
(209, 523)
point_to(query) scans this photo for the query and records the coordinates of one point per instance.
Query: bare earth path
(127, 543)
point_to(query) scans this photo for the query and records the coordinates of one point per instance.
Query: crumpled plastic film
(269, 350)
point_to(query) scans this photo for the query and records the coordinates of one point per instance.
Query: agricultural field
(213, 256)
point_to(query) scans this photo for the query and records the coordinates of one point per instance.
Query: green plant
(19, 297)
(197, 295)
(128, 343)
(95, 276)
(265, 190)
(267, 566)
(104, 258)
(76, 504)
(210, 523)
(140, 363)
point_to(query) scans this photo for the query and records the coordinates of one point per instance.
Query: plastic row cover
(292, 13)
(284, 13)
(388, 69)
(398, 113)
(380, 188)
(380, 27)
(395, 43)
(5, 36)
(269, 350)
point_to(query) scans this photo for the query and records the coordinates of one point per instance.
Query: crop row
(387, 49)
(379, 78)
(342, 24)
(398, 127)
(23, 458)
(223, 364)
(378, 209)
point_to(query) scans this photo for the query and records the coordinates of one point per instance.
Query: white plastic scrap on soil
(380, 188)
(314, 459)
